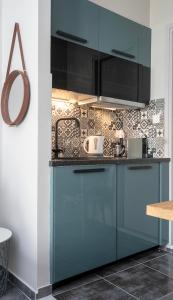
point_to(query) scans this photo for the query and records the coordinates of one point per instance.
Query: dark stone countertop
(103, 160)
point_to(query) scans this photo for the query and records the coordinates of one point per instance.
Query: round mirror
(15, 98)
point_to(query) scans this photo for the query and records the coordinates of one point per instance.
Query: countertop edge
(73, 162)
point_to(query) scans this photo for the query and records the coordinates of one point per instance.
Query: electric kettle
(93, 145)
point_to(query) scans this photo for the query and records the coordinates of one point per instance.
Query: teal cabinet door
(84, 219)
(122, 37)
(118, 36)
(76, 21)
(164, 196)
(138, 185)
(145, 46)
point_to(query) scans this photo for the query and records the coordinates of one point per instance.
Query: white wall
(24, 184)
(136, 10)
(161, 12)
(19, 148)
(44, 143)
(0, 85)
(161, 19)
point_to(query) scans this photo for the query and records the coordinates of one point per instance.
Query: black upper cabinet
(123, 79)
(144, 84)
(74, 67)
(118, 78)
(80, 69)
(81, 33)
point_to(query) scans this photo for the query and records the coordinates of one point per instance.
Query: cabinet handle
(127, 55)
(80, 171)
(140, 168)
(71, 37)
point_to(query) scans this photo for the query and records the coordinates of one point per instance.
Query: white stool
(5, 236)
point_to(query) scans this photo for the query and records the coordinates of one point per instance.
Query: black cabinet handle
(127, 55)
(71, 37)
(84, 171)
(140, 168)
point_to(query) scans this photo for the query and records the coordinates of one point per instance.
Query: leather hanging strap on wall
(10, 78)
(16, 33)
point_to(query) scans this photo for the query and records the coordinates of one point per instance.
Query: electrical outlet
(156, 119)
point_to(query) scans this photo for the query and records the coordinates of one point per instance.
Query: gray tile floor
(146, 276)
(13, 293)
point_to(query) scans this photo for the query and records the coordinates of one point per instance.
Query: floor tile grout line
(171, 293)
(157, 271)
(121, 289)
(102, 278)
(138, 264)
(152, 258)
(76, 287)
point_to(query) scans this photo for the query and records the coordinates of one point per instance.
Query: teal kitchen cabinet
(122, 37)
(95, 27)
(75, 21)
(164, 196)
(137, 186)
(145, 46)
(83, 219)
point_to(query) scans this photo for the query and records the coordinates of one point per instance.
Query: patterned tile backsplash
(134, 122)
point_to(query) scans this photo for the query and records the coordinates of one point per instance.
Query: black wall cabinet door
(80, 69)
(118, 78)
(123, 79)
(74, 67)
(144, 84)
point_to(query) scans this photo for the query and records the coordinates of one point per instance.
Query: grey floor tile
(166, 249)
(142, 282)
(99, 290)
(163, 264)
(84, 279)
(13, 293)
(148, 255)
(118, 266)
(167, 297)
(21, 286)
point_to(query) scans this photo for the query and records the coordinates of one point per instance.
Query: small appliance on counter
(137, 148)
(118, 148)
(93, 145)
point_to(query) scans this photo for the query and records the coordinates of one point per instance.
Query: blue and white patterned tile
(75, 142)
(144, 123)
(135, 123)
(159, 133)
(91, 131)
(91, 123)
(152, 132)
(144, 115)
(84, 123)
(84, 132)
(91, 113)
(84, 113)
